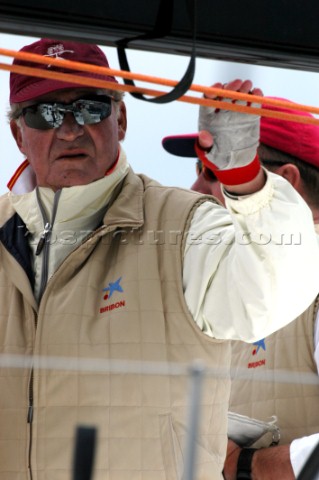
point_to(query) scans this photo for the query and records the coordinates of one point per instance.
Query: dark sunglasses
(87, 111)
(208, 174)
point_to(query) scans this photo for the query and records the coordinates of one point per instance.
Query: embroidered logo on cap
(57, 50)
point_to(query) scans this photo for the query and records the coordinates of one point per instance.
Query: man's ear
(17, 135)
(122, 121)
(292, 174)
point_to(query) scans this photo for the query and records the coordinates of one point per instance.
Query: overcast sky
(149, 123)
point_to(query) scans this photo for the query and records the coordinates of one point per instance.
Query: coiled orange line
(98, 83)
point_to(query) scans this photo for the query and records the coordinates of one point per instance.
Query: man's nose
(70, 129)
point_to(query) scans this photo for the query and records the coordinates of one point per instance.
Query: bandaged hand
(233, 156)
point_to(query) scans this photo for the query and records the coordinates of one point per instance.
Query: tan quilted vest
(291, 390)
(117, 297)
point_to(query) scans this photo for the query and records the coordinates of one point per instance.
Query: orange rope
(85, 67)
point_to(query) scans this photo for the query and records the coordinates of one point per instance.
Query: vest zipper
(43, 238)
(44, 248)
(29, 420)
(44, 242)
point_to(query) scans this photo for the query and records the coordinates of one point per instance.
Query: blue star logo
(260, 344)
(113, 287)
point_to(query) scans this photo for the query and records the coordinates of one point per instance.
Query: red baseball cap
(26, 87)
(300, 140)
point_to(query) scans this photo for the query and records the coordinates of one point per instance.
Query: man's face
(71, 154)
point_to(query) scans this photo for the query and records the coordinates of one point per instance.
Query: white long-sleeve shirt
(239, 283)
(300, 450)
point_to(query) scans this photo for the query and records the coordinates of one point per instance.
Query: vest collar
(126, 205)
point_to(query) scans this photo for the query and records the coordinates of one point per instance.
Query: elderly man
(85, 280)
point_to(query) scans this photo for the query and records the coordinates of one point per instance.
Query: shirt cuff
(300, 449)
(250, 204)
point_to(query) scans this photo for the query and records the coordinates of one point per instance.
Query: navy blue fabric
(14, 236)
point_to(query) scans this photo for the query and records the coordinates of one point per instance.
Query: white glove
(233, 157)
(245, 430)
(236, 136)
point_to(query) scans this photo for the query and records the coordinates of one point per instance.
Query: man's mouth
(72, 154)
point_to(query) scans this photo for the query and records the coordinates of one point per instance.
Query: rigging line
(86, 67)
(96, 82)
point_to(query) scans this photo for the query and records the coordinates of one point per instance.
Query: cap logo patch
(57, 50)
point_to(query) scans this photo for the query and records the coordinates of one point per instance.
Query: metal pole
(197, 371)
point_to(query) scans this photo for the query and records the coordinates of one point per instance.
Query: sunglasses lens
(88, 112)
(209, 175)
(51, 114)
(44, 116)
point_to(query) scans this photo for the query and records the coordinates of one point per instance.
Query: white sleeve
(300, 450)
(243, 265)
